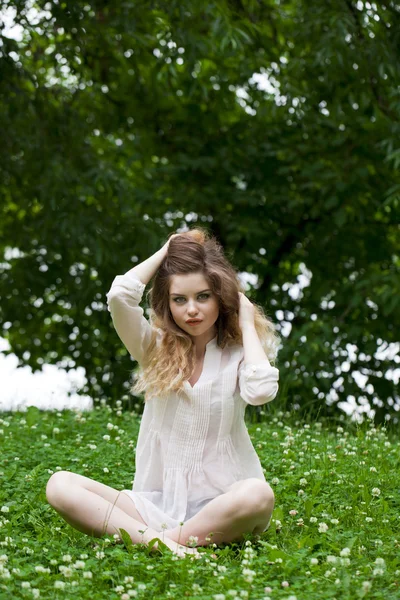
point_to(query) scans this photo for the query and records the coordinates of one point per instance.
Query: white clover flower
(5, 509)
(275, 481)
(314, 561)
(42, 569)
(66, 571)
(380, 561)
(345, 552)
(193, 540)
(376, 492)
(300, 493)
(378, 572)
(323, 528)
(345, 562)
(87, 574)
(106, 437)
(366, 585)
(313, 519)
(67, 558)
(335, 521)
(331, 559)
(59, 585)
(373, 470)
(303, 481)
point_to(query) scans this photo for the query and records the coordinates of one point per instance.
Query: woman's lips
(193, 322)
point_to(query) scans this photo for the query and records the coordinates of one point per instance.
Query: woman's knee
(56, 484)
(256, 496)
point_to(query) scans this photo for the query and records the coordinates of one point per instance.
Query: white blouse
(188, 453)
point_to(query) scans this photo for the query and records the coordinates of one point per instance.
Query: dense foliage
(273, 123)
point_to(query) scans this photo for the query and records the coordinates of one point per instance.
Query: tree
(276, 124)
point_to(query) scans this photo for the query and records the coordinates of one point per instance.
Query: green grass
(349, 477)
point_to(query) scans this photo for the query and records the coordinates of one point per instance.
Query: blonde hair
(170, 362)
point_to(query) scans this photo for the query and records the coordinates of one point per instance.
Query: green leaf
(161, 545)
(126, 538)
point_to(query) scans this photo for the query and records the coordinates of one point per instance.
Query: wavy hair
(170, 360)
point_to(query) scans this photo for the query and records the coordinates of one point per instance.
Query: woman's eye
(205, 296)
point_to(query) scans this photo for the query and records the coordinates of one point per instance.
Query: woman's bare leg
(116, 497)
(91, 514)
(246, 508)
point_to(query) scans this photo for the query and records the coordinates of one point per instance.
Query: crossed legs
(97, 509)
(246, 508)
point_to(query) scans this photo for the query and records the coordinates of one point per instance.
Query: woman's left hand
(246, 311)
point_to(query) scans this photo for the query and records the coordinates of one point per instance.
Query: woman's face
(190, 297)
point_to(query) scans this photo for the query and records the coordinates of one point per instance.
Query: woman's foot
(178, 549)
(183, 549)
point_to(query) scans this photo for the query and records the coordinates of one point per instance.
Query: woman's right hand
(185, 233)
(165, 247)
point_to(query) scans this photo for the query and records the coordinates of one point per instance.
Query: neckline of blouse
(210, 365)
(213, 341)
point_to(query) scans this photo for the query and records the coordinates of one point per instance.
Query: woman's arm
(253, 350)
(123, 300)
(258, 379)
(146, 269)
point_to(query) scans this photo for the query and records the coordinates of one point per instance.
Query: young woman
(204, 354)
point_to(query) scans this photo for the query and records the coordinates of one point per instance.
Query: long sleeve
(123, 303)
(258, 382)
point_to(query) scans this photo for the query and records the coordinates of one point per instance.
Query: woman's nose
(192, 308)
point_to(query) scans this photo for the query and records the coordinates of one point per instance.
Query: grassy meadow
(335, 531)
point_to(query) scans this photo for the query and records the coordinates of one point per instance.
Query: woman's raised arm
(123, 300)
